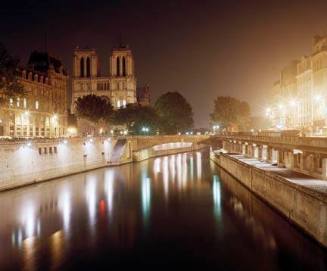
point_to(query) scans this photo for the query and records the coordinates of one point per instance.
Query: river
(172, 212)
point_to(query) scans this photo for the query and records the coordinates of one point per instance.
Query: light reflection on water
(179, 199)
(109, 189)
(91, 198)
(216, 190)
(146, 198)
(65, 206)
(165, 172)
(199, 165)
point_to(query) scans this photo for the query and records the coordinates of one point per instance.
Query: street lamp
(145, 129)
(215, 128)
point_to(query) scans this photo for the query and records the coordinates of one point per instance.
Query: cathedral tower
(85, 63)
(123, 81)
(121, 62)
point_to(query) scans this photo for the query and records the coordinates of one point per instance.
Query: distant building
(118, 86)
(143, 95)
(43, 112)
(302, 87)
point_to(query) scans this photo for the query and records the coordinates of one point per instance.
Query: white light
(296, 151)
(216, 196)
(293, 103)
(165, 175)
(199, 165)
(64, 203)
(109, 188)
(317, 98)
(156, 166)
(91, 198)
(71, 131)
(146, 197)
(145, 129)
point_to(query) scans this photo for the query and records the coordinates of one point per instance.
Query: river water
(173, 212)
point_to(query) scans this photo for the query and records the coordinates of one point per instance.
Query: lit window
(124, 103)
(24, 103)
(18, 102)
(118, 103)
(11, 102)
(36, 105)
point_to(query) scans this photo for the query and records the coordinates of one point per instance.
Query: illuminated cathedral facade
(118, 86)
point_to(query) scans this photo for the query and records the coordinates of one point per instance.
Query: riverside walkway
(308, 183)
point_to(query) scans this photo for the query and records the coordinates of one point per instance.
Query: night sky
(200, 48)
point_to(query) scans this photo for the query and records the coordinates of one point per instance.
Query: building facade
(118, 86)
(143, 95)
(302, 100)
(42, 112)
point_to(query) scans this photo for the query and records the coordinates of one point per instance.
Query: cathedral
(118, 85)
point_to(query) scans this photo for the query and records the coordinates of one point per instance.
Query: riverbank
(29, 162)
(302, 199)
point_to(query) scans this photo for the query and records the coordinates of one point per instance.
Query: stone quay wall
(24, 162)
(302, 206)
(27, 162)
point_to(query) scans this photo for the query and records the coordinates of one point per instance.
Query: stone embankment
(301, 198)
(27, 162)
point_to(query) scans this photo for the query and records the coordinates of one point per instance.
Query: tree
(230, 112)
(9, 84)
(93, 108)
(175, 113)
(259, 123)
(136, 117)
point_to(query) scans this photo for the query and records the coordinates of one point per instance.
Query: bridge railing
(320, 142)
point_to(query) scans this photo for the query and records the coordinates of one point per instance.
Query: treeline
(171, 114)
(231, 114)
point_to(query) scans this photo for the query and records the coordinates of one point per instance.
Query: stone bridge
(303, 154)
(144, 142)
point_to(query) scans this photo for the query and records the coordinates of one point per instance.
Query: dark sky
(200, 48)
